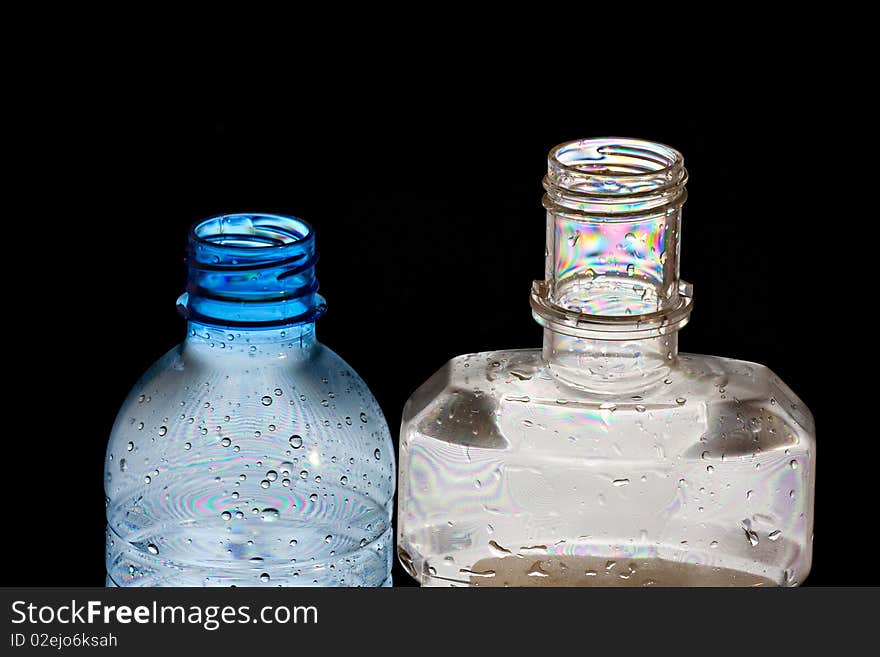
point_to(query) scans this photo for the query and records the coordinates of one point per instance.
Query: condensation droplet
(536, 570)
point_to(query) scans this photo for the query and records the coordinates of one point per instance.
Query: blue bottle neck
(251, 272)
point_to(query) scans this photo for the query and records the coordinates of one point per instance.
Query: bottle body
(250, 465)
(251, 454)
(607, 458)
(512, 477)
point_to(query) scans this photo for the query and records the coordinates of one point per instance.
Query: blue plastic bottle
(250, 454)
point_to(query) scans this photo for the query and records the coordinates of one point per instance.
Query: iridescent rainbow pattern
(586, 252)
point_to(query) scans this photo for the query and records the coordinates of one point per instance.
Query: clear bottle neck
(612, 299)
(610, 366)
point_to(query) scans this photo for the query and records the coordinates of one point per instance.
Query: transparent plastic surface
(606, 458)
(250, 455)
(509, 477)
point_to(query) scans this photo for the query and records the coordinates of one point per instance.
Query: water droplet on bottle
(328, 538)
(680, 401)
(751, 535)
(123, 466)
(187, 446)
(270, 515)
(264, 577)
(774, 535)
(226, 442)
(152, 549)
(498, 550)
(377, 454)
(226, 515)
(363, 417)
(130, 446)
(162, 431)
(620, 482)
(148, 479)
(536, 571)
(266, 400)
(794, 464)
(296, 441)
(343, 480)
(264, 484)
(271, 475)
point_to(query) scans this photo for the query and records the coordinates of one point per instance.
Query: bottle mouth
(613, 212)
(251, 270)
(251, 231)
(614, 175)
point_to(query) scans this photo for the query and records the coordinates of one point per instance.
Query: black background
(429, 220)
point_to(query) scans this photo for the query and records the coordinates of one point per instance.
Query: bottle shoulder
(486, 398)
(188, 404)
(183, 372)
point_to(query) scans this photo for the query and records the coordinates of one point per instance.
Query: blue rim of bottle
(251, 270)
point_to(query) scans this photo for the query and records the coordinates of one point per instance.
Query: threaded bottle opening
(252, 236)
(251, 270)
(614, 176)
(613, 238)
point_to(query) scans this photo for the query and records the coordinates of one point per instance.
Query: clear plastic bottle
(607, 458)
(250, 454)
